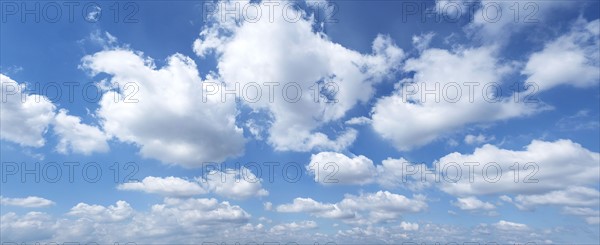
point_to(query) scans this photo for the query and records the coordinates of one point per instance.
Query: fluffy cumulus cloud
(507, 225)
(168, 186)
(337, 168)
(472, 203)
(113, 213)
(463, 82)
(191, 220)
(25, 117)
(180, 220)
(543, 166)
(330, 168)
(165, 111)
(294, 226)
(571, 196)
(33, 226)
(297, 58)
(234, 183)
(366, 208)
(230, 183)
(477, 139)
(77, 137)
(318, 209)
(572, 59)
(27, 202)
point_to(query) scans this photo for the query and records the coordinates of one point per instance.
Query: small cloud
(358, 121)
(478, 139)
(27, 202)
(268, 206)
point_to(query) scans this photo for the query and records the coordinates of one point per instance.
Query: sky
(300, 122)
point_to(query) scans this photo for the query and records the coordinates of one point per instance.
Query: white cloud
(292, 227)
(421, 42)
(283, 52)
(496, 21)
(165, 112)
(555, 165)
(27, 202)
(572, 59)
(330, 168)
(571, 196)
(113, 213)
(477, 139)
(169, 186)
(77, 137)
(24, 117)
(33, 226)
(173, 221)
(323, 210)
(393, 173)
(268, 206)
(188, 212)
(367, 208)
(414, 118)
(472, 204)
(407, 226)
(591, 216)
(233, 183)
(358, 121)
(506, 225)
(230, 183)
(336, 168)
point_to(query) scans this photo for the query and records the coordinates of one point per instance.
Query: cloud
(407, 226)
(322, 210)
(358, 121)
(331, 168)
(421, 42)
(24, 117)
(293, 227)
(27, 117)
(27, 202)
(291, 53)
(472, 204)
(506, 225)
(336, 168)
(231, 183)
(164, 110)
(268, 206)
(477, 139)
(114, 213)
(189, 212)
(366, 208)
(235, 184)
(77, 137)
(591, 216)
(173, 220)
(410, 118)
(169, 186)
(543, 167)
(571, 196)
(33, 226)
(496, 22)
(571, 59)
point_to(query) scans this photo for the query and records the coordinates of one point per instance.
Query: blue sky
(183, 162)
